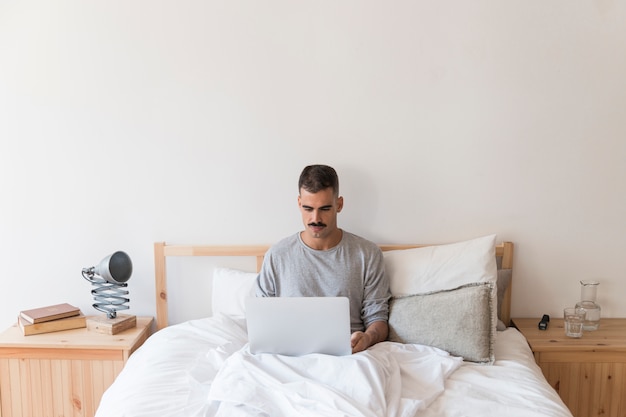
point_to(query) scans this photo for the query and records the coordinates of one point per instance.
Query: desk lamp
(109, 280)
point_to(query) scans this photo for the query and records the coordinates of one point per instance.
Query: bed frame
(504, 251)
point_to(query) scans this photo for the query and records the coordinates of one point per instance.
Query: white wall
(127, 122)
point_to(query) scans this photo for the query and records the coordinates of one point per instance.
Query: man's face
(319, 213)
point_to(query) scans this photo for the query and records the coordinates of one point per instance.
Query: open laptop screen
(298, 326)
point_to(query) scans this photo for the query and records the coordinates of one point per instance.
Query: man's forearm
(378, 332)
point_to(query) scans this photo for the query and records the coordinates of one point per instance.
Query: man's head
(315, 178)
(319, 204)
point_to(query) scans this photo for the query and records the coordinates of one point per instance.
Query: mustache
(319, 224)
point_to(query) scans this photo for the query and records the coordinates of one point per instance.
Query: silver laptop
(296, 326)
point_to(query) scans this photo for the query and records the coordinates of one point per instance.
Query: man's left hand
(360, 341)
(376, 332)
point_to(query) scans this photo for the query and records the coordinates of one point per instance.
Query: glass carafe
(588, 294)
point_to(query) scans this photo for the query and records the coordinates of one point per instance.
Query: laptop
(296, 326)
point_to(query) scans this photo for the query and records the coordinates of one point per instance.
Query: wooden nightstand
(62, 373)
(588, 373)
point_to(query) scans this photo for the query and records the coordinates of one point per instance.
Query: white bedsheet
(203, 368)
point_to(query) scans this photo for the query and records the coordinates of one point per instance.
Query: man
(324, 260)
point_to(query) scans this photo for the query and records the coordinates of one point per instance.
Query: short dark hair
(315, 178)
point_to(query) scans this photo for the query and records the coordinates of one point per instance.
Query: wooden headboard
(162, 251)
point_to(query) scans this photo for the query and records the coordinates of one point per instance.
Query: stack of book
(50, 319)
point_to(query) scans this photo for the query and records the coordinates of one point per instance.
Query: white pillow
(441, 267)
(230, 289)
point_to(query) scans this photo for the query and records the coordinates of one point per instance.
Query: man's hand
(360, 341)
(376, 332)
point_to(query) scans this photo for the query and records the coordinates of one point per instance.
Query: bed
(450, 351)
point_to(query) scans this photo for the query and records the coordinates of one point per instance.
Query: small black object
(543, 324)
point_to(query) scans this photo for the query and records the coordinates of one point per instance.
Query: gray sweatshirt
(354, 269)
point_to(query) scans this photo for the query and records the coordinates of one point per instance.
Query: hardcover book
(49, 313)
(74, 322)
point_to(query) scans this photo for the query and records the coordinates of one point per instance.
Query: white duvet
(204, 368)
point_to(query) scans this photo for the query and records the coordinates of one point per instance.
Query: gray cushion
(504, 280)
(459, 321)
